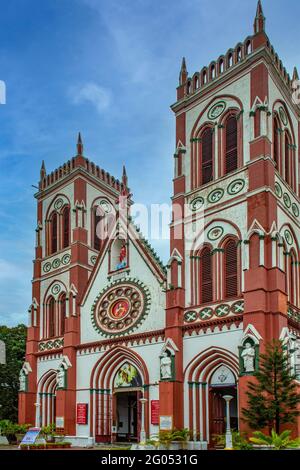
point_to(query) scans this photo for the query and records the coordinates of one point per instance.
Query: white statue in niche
(60, 377)
(165, 366)
(248, 356)
(22, 380)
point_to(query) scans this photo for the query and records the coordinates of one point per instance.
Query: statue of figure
(248, 356)
(60, 377)
(122, 257)
(165, 366)
(22, 380)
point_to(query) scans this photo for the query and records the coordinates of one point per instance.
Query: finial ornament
(183, 72)
(79, 145)
(260, 20)
(43, 171)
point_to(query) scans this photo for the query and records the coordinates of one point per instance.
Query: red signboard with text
(82, 413)
(154, 411)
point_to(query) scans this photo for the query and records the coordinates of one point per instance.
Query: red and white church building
(109, 325)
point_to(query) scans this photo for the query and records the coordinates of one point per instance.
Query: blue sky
(108, 68)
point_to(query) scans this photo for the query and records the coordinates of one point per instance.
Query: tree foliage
(272, 398)
(15, 341)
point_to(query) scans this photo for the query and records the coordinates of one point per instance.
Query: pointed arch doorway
(127, 393)
(222, 382)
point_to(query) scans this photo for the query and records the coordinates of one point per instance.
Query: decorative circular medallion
(120, 307)
(238, 307)
(287, 200)
(93, 259)
(55, 289)
(215, 233)
(283, 116)
(215, 195)
(216, 110)
(288, 237)
(197, 203)
(236, 187)
(206, 313)
(56, 263)
(47, 267)
(190, 316)
(58, 204)
(66, 259)
(278, 189)
(295, 209)
(222, 310)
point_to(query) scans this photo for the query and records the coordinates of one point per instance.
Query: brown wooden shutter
(51, 308)
(231, 155)
(275, 146)
(207, 157)
(287, 160)
(206, 276)
(97, 219)
(54, 233)
(62, 314)
(231, 269)
(66, 227)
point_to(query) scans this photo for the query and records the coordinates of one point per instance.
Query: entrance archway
(208, 377)
(127, 393)
(117, 384)
(46, 399)
(222, 383)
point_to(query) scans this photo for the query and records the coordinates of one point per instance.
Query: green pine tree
(272, 398)
(15, 341)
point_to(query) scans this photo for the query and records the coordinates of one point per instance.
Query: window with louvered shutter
(276, 146)
(206, 276)
(54, 233)
(231, 269)
(97, 219)
(231, 154)
(51, 318)
(66, 227)
(287, 160)
(62, 313)
(207, 157)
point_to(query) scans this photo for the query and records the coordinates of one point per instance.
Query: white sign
(166, 423)
(60, 422)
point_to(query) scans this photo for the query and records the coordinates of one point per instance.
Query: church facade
(120, 345)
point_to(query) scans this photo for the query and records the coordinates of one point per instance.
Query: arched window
(62, 313)
(230, 269)
(206, 277)
(207, 156)
(230, 60)
(51, 318)
(231, 142)
(291, 277)
(53, 230)
(66, 227)
(276, 142)
(221, 66)
(287, 159)
(96, 221)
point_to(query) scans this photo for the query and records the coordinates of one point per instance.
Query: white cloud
(98, 96)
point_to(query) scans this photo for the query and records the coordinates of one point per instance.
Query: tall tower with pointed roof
(234, 266)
